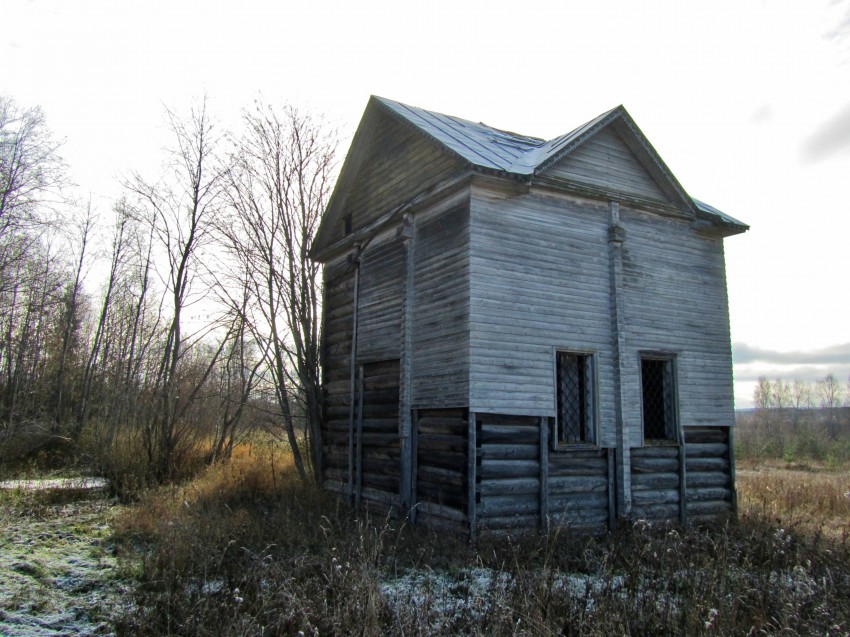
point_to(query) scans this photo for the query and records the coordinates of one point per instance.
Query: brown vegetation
(248, 549)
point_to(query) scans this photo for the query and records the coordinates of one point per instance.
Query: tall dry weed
(248, 549)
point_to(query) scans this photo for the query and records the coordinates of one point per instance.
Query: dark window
(575, 423)
(348, 227)
(659, 397)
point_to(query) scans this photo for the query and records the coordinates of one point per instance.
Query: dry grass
(246, 549)
(813, 498)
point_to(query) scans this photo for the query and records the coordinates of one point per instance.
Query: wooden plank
(709, 479)
(509, 452)
(358, 491)
(730, 445)
(432, 509)
(503, 469)
(501, 434)
(683, 479)
(510, 486)
(414, 464)
(408, 433)
(659, 496)
(508, 522)
(353, 380)
(709, 508)
(543, 434)
(560, 485)
(471, 473)
(507, 505)
(612, 490)
(652, 481)
(575, 503)
(717, 450)
(710, 493)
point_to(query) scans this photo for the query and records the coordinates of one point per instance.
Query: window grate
(659, 415)
(575, 398)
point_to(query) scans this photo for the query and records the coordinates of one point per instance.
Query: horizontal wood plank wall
(675, 301)
(510, 478)
(380, 444)
(540, 281)
(578, 488)
(399, 164)
(508, 472)
(441, 311)
(381, 294)
(708, 467)
(655, 482)
(441, 467)
(606, 161)
(338, 293)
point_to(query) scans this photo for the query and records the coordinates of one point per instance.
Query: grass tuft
(248, 549)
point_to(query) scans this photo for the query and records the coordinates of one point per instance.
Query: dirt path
(57, 572)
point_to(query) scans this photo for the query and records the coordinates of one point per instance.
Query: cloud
(833, 136)
(744, 354)
(841, 30)
(763, 113)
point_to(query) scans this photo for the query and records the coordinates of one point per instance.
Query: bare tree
(830, 395)
(70, 322)
(31, 175)
(180, 208)
(277, 187)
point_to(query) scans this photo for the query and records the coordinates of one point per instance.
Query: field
(246, 549)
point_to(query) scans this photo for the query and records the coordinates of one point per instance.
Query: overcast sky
(748, 103)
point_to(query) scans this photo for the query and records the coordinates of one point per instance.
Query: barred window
(658, 385)
(575, 397)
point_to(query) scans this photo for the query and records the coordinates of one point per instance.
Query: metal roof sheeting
(490, 148)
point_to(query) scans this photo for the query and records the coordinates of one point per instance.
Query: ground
(58, 575)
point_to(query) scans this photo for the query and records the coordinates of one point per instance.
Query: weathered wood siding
(338, 291)
(381, 291)
(540, 281)
(440, 366)
(508, 471)
(380, 449)
(607, 162)
(709, 490)
(708, 470)
(398, 164)
(440, 472)
(580, 488)
(675, 301)
(655, 482)
(577, 484)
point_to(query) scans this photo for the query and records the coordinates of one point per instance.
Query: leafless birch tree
(277, 187)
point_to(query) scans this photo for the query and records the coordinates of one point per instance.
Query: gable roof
(487, 149)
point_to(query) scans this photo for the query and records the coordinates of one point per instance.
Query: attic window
(658, 386)
(347, 225)
(576, 423)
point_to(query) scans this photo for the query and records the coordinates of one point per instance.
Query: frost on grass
(472, 594)
(468, 593)
(57, 576)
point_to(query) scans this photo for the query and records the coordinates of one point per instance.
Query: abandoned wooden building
(520, 332)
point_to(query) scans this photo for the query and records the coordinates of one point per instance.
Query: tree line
(797, 419)
(204, 324)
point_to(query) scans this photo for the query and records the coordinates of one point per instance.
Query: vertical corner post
(354, 259)
(358, 493)
(471, 473)
(616, 238)
(544, 474)
(405, 403)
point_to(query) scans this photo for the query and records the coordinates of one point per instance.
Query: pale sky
(748, 103)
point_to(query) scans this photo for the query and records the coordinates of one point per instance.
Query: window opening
(659, 398)
(575, 423)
